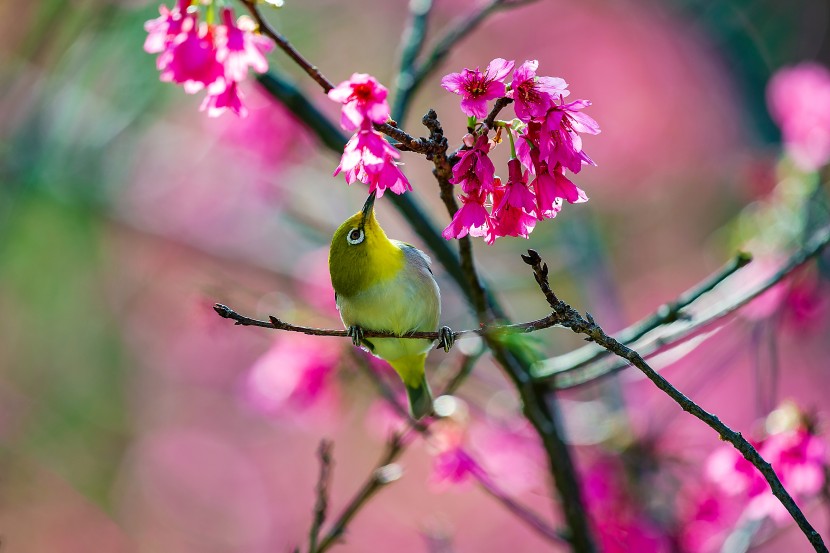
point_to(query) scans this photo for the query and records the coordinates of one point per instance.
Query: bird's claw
(356, 334)
(446, 338)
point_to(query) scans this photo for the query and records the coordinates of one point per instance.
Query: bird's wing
(414, 254)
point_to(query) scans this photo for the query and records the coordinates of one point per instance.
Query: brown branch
(320, 507)
(382, 475)
(276, 324)
(666, 314)
(500, 104)
(684, 330)
(406, 141)
(268, 30)
(571, 318)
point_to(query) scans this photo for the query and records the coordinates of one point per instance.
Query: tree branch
(570, 318)
(320, 507)
(499, 105)
(276, 324)
(283, 44)
(666, 314)
(382, 475)
(684, 330)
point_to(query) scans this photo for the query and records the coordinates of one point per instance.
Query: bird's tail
(411, 371)
(420, 399)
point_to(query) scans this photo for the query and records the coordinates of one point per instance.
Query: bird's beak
(367, 207)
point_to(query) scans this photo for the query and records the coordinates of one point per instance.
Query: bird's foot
(446, 338)
(356, 334)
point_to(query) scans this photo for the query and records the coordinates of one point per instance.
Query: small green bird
(387, 285)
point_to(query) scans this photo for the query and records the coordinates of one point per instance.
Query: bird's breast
(407, 302)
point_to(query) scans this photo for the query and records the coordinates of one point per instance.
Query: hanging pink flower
(516, 192)
(473, 219)
(370, 159)
(559, 140)
(533, 96)
(476, 88)
(223, 97)
(363, 97)
(238, 47)
(554, 188)
(162, 31)
(799, 101)
(509, 220)
(192, 58)
(201, 55)
(474, 170)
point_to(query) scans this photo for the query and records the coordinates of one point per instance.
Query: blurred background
(132, 418)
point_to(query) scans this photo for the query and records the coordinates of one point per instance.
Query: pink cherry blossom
(509, 220)
(238, 49)
(533, 96)
(192, 58)
(474, 170)
(225, 96)
(472, 218)
(799, 101)
(554, 188)
(559, 141)
(370, 159)
(515, 193)
(363, 97)
(162, 31)
(476, 88)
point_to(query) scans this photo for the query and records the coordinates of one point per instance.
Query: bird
(386, 285)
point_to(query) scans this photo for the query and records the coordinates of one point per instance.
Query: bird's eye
(355, 236)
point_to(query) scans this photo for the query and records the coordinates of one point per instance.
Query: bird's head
(360, 253)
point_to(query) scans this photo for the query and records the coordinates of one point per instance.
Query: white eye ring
(355, 236)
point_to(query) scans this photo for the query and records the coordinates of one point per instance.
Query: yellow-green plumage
(386, 285)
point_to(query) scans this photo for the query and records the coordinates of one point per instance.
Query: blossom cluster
(545, 143)
(205, 54)
(368, 157)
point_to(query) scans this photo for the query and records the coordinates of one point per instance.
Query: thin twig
(667, 313)
(268, 30)
(321, 506)
(276, 324)
(499, 105)
(408, 142)
(684, 330)
(382, 475)
(570, 318)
